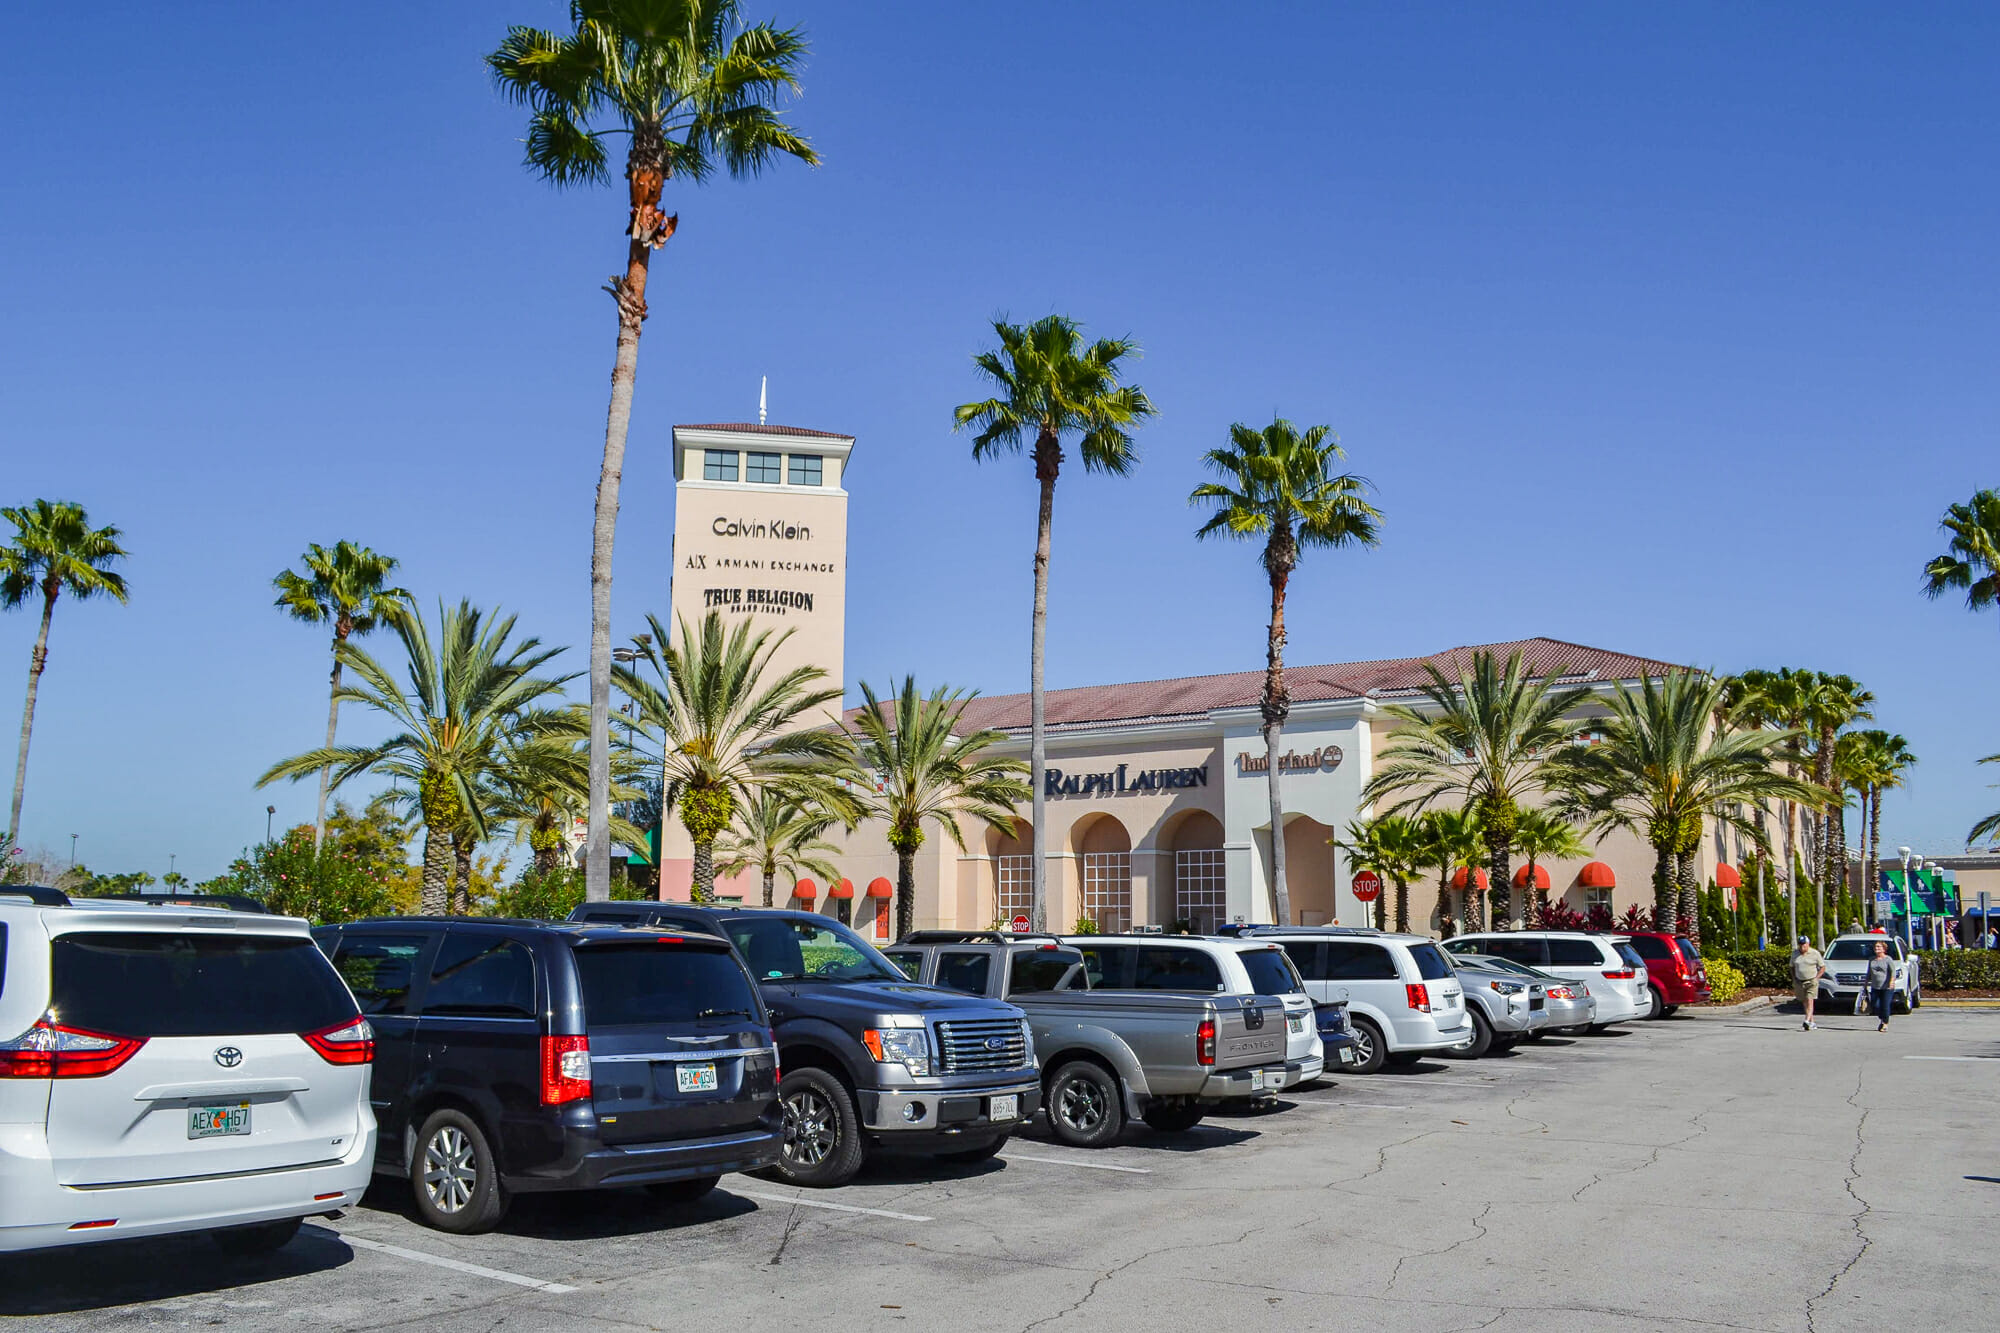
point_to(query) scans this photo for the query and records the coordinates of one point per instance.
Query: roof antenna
(763, 390)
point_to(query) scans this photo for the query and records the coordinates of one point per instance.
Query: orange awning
(844, 889)
(1541, 877)
(881, 888)
(1726, 876)
(1477, 876)
(805, 890)
(1596, 875)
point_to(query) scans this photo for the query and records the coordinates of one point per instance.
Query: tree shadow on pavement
(137, 1272)
(581, 1214)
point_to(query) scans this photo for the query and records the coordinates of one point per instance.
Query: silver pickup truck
(1106, 1056)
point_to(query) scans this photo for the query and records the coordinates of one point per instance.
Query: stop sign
(1020, 923)
(1367, 886)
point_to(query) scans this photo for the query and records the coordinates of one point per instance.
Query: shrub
(1763, 969)
(1560, 916)
(1085, 926)
(1959, 969)
(549, 895)
(1724, 980)
(292, 878)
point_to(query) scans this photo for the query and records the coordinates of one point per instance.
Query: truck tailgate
(1249, 1030)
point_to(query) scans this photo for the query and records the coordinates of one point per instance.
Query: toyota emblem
(228, 1056)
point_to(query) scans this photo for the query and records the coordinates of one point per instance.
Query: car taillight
(1204, 1042)
(1419, 996)
(1622, 974)
(352, 1043)
(48, 1050)
(565, 1069)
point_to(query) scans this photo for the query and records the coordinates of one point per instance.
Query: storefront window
(1015, 878)
(718, 465)
(1596, 898)
(805, 469)
(1107, 891)
(761, 468)
(1201, 889)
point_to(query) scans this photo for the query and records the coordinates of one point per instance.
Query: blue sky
(1665, 329)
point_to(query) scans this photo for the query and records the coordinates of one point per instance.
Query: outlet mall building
(1156, 796)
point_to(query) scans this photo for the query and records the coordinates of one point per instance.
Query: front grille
(963, 1046)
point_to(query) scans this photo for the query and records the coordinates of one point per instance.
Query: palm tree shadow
(102, 1276)
(587, 1214)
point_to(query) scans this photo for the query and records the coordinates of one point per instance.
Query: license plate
(1346, 1055)
(1297, 1023)
(206, 1122)
(1004, 1108)
(1256, 1080)
(694, 1078)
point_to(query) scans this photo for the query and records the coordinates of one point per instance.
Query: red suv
(1673, 970)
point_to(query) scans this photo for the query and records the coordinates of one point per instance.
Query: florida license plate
(206, 1122)
(695, 1078)
(1256, 1080)
(1347, 1055)
(1005, 1108)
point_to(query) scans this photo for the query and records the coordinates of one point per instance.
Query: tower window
(805, 469)
(761, 468)
(718, 465)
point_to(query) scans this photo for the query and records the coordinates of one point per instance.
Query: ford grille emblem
(228, 1057)
(996, 1043)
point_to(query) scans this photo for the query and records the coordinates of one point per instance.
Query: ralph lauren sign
(1118, 782)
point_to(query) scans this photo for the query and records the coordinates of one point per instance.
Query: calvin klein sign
(1118, 782)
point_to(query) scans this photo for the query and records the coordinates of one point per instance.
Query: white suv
(1847, 958)
(167, 1069)
(1403, 997)
(1615, 974)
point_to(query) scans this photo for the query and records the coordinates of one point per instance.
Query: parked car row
(276, 1069)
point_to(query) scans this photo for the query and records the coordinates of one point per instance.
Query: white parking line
(457, 1266)
(1366, 1106)
(1951, 1057)
(1088, 1166)
(832, 1207)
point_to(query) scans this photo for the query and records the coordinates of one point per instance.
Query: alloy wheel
(1364, 1045)
(1082, 1105)
(451, 1172)
(809, 1128)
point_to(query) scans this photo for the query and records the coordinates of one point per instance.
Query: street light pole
(269, 811)
(72, 851)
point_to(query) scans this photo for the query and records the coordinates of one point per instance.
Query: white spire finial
(763, 391)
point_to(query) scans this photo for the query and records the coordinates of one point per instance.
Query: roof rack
(975, 936)
(232, 902)
(39, 894)
(1307, 930)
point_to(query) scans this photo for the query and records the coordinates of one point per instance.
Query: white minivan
(1403, 997)
(1614, 972)
(169, 1069)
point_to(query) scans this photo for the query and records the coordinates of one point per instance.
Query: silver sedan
(1571, 1007)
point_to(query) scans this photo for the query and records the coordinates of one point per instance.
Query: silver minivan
(1403, 996)
(1606, 963)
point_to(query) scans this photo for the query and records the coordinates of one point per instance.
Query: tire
(453, 1176)
(683, 1191)
(980, 1154)
(1370, 1050)
(258, 1241)
(822, 1131)
(1917, 997)
(1901, 1003)
(1670, 1011)
(1481, 1040)
(1083, 1105)
(1656, 1004)
(1173, 1119)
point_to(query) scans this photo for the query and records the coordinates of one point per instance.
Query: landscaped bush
(1761, 969)
(1959, 969)
(1724, 980)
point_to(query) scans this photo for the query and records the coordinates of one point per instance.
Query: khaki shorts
(1804, 990)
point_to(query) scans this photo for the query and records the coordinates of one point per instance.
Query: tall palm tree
(731, 726)
(542, 786)
(346, 587)
(1990, 825)
(1451, 839)
(775, 835)
(1780, 700)
(1487, 739)
(1051, 386)
(1280, 485)
(470, 694)
(1392, 846)
(923, 770)
(694, 87)
(1834, 702)
(1972, 561)
(54, 551)
(1543, 835)
(1876, 761)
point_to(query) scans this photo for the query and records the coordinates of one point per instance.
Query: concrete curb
(1729, 1010)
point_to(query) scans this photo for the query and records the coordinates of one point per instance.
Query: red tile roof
(1390, 680)
(752, 428)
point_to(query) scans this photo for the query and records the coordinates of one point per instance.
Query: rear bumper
(1303, 1071)
(598, 1166)
(907, 1117)
(1339, 1050)
(1431, 1033)
(1251, 1081)
(37, 1213)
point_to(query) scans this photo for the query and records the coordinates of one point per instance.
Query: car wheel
(1656, 1003)
(1369, 1048)
(822, 1132)
(1173, 1119)
(1670, 1011)
(1084, 1110)
(1481, 1040)
(255, 1242)
(683, 1191)
(979, 1154)
(1917, 997)
(453, 1176)
(1901, 1003)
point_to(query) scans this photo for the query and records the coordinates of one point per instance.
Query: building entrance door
(1107, 891)
(1201, 889)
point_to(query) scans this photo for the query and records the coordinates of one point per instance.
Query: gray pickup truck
(1157, 1056)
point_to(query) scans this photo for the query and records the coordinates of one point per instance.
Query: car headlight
(907, 1046)
(1028, 1040)
(1508, 987)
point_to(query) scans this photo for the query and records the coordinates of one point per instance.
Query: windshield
(1271, 971)
(783, 948)
(1431, 964)
(1853, 950)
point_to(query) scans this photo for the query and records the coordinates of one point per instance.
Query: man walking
(1807, 968)
(1881, 978)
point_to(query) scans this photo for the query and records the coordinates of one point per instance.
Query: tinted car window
(1351, 960)
(1107, 966)
(964, 971)
(779, 948)
(1520, 951)
(1689, 949)
(1629, 958)
(1574, 953)
(1271, 972)
(1308, 958)
(379, 969)
(148, 985)
(1431, 964)
(481, 975)
(1046, 970)
(626, 985)
(910, 960)
(1649, 948)
(1174, 969)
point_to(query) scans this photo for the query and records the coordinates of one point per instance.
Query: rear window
(1629, 958)
(1648, 947)
(1690, 951)
(165, 985)
(1271, 972)
(1431, 963)
(632, 985)
(1156, 968)
(1045, 970)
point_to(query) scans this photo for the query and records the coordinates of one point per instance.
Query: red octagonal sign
(1019, 923)
(1367, 886)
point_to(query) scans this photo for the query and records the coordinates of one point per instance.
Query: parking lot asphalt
(1696, 1173)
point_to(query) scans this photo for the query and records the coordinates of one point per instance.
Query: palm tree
(1393, 847)
(1451, 839)
(1833, 702)
(470, 694)
(55, 551)
(1874, 762)
(1486, 739)
(1280, 485)
(695, 88)
(1990, 825)
(912, 755)
(730, 727)
(1051, 385)
(776, 836)
(542, 786)
(1778, 699)
(1543, 835)
(1973, 560)
(1663, 768)
(345, 587)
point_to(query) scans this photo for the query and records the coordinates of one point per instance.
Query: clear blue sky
(1664, 329)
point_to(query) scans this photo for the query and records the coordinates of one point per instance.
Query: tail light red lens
(1204, 1042)
(48, 1050)
(1419, 996)
(1622, 974)
(565, 1070)
(352, 1043)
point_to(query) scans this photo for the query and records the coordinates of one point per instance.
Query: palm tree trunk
(1690, 897)
(1402, 908)
(1499, 872)
(648, 229)
(38, 661)
(436, 894)
(1048, 461)
(461, 880)
(332, 723)
(1665, 891)
(1381, 912)
(1446, 918)
(702, 887)
(1874, 852)
(1791, 875)
(1277, 707)
(770, 884)
(906, 893)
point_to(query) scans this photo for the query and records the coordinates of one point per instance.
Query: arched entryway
(1198, 884)
(1103, 849)
(1309, 871)
(1013, 860)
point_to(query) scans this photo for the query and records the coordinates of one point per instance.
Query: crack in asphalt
(1863, 1208)
(1479, 1233)
(1110, 1273)
(792, 1220)
(1381, 1160)
(1653, 1157)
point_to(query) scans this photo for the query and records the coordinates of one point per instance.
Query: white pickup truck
(1847, 972)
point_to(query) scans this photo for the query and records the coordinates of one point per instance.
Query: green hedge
(1762, 969)
(1942, 970)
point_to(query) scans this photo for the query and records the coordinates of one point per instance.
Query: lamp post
(1904, 852)
(269, 811)
(72, 851)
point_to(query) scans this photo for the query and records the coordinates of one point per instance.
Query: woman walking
(1881, 977)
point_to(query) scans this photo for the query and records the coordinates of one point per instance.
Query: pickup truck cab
(871, 1060)
(1109, 1056)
